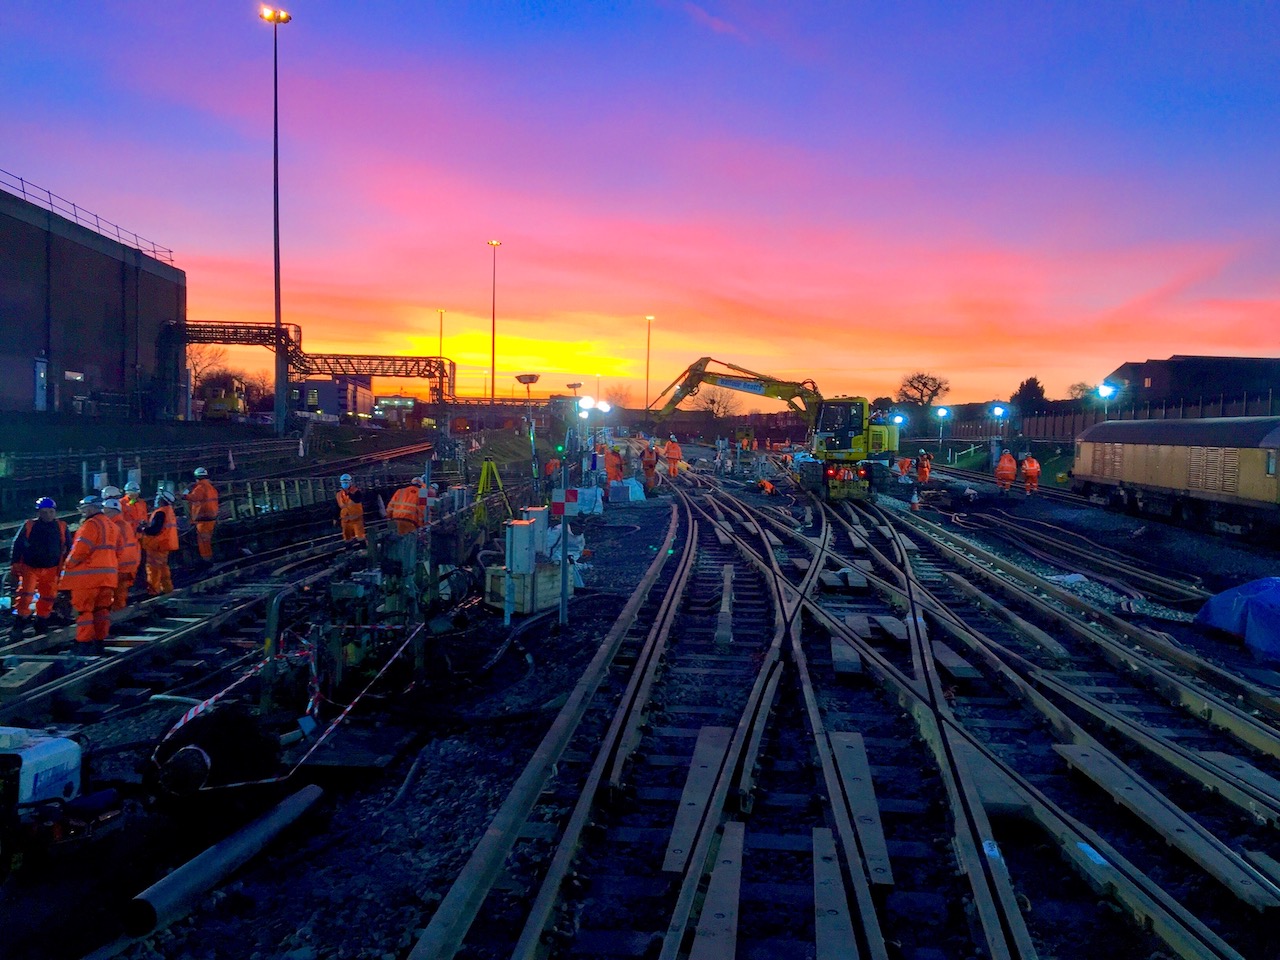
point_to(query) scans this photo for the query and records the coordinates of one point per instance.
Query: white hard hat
(110, 493)
(673, 436)
(111, 504)
(166, 495)
(132, 487)
(90, 501)
(201, 472)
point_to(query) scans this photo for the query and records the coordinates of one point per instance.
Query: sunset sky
(842, 191)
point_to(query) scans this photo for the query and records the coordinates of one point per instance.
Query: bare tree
(203, 359)
(619, 395)
(258, 385)
(922, 388)
(1078, 391)
(718, 402)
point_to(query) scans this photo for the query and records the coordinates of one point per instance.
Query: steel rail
(1102, 866)
(1211, 673)
(1225, 864)
(449, 925)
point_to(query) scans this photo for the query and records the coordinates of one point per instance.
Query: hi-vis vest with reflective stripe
(349, 509)
(204, 501)
(130, 554)
(405, 505)
(166, 541)
(93, 558)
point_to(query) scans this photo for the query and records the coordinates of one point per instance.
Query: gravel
(363, 876)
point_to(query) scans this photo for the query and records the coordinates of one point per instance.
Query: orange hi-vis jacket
(349, 510)
(672, 451)
(203, 499)
(93, 561)
(166, 541)
(1031, 468)
(406, 505)
(649, 460)
(135, 511)
(130, 553)
(1007, 468)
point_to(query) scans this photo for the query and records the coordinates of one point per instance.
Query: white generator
(36, 766)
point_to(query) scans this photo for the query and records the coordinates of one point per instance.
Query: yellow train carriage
(1218, 473)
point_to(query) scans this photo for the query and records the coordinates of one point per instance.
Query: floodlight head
(899, 418)
(1106, 390)
(527, 378)
(998, 410)
(573, 386)
(604, 406)
(943, 412)
(586, 403)
(583, 414)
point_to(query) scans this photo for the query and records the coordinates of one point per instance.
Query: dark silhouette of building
(1191, 379)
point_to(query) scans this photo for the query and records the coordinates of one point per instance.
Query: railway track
(849, 739)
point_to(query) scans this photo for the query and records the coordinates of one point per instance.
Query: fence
(51, 201)
(1069, 424)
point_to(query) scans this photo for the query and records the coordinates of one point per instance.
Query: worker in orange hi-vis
(129, 556)
(91, 572)
(673, 453)
(1006, 470)
(553, 467)
(613, 465)
(407, 508)
(649, 464)
(132, 507)
(924, 463)
(1031, 474)
(202, 501)
(159, 539)
(350, 500)
(904, 466)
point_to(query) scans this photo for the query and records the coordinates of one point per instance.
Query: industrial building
(82, 307)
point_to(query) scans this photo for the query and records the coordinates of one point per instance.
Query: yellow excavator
(843, 444)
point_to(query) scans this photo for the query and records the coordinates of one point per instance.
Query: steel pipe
(169, 899)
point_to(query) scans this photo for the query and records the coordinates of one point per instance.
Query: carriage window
(1271, 463)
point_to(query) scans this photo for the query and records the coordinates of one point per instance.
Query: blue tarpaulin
(1251, 611)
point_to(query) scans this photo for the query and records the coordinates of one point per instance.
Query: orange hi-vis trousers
(38, 582)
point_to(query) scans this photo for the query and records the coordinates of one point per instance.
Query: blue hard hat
(46, 503)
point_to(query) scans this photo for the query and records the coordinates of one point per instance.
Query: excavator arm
(802, 397)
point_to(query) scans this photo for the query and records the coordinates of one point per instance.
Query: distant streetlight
(648, 339)
(276, 17)
(529, 379)
(441, 351)
(1106, 391)
(597, 384)
(942, 414)
(574, 387)
(493, 323)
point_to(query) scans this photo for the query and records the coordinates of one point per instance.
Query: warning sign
(564, 503)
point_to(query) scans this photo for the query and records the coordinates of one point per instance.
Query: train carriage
(1217, 473)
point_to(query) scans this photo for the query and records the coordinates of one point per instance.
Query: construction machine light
(831, 472)
(899, 419)
(604, 406)
(586, 403)
(583, 414)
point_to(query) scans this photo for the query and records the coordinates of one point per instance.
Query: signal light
(831, 471)
(559, 448)
(862, 473)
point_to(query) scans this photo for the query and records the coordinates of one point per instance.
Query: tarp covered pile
(1251, 611)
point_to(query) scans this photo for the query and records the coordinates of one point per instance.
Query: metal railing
(156, 460)
(65, 208)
